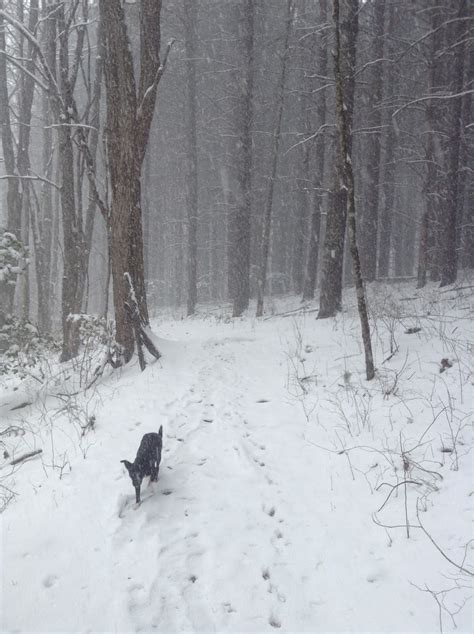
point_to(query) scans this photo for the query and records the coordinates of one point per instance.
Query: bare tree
(370, 215)
(333, 254)
(276, 138)
(190, 17)
(449, 267)
(130, 108)
(13, 183)
(240, 229)
(321, 70)
(345, 169)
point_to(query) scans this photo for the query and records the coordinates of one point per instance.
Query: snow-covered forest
(250, 222)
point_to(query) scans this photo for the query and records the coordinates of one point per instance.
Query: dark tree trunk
(129, 116)
(192, 152)
(241, 229)
(389, 169)
(331, 280)
(370, 213)
(320, 150)
(467, 182)
(73, 236)
(449, 266)
(13, 185)
(429, 255)
(267, 220)
(344, 159)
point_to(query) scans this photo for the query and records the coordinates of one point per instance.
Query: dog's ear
(127, 464)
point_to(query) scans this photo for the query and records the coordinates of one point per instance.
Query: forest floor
(272, 509)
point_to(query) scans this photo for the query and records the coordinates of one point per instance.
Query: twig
(394, 486)
(458, 566)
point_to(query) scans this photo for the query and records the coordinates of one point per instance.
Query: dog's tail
(160, 432)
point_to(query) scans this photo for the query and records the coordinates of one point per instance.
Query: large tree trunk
(449, 266)
(344, 159)
(129, 115)
(73, 236)
(331, 280)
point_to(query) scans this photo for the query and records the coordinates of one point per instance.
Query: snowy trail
(244, 540)
(250, 528)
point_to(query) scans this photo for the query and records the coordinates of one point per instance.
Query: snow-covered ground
(271, 509)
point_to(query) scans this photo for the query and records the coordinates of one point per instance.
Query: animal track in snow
(274, 622)
(49, 581)
(272, 589)
(265, 574)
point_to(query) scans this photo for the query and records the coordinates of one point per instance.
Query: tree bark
(345, 162)
(13, 184)
(267, 220)
(331, 280)
(129, 115)
(190, 9)
(320, 150)
(241, 224)
(449, 266)
(370, 214)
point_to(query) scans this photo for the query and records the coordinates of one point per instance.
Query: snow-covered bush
(22, 348)
(13, 259)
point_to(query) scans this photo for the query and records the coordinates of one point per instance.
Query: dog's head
(134, 473)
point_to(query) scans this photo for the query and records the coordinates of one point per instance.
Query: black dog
(147, 462)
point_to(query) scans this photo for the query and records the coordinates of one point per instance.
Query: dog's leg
(137, 494)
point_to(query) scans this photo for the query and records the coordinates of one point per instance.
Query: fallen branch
(25, 457)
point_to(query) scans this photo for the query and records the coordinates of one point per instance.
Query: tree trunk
(345, 161)
(241, 229)
(190, 9)
(315, 222)
(389, 170)
(370, 214)
(331, 280)
(267, 220)
(449, 266)
(13, 185)
(129, 115)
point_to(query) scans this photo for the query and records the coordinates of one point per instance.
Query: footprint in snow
(228, 608)
(270, 512)
(265, 574)
(274, 622)
(272, 589)
(49, 581)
